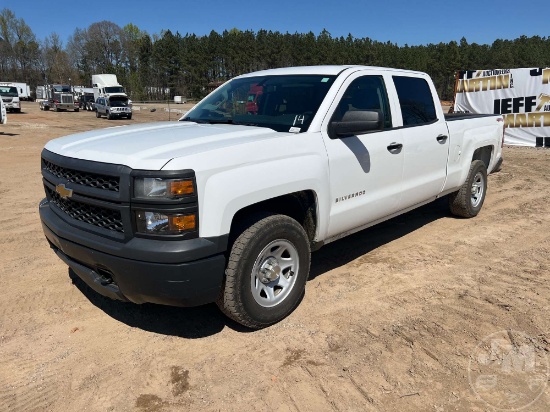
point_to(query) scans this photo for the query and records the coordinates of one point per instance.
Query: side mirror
(356, 122)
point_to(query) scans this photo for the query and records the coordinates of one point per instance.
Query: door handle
(442, 137)
(395, 147)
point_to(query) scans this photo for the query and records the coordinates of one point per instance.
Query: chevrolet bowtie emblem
(63, 191)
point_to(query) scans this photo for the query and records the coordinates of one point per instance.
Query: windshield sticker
(299, 118)
(324, 80)
(295, 130)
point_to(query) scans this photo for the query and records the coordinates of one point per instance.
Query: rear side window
(415, 99)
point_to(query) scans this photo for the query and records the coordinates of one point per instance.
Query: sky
(417, 22)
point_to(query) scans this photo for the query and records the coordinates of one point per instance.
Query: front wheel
(468, 200)
(97, 115)
(266, 273)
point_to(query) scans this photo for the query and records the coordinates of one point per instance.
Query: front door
(366, 169)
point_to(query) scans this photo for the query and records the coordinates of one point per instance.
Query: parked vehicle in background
(58, 97)
(10, 97)
(23, 89)
(85, 97)
(106, 85)
(87, 102)
(41, 93)
(113, 107)
(3, 114)
(226, 205)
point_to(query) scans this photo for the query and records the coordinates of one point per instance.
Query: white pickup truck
(227, 204)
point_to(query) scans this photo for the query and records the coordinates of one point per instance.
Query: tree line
(160, 66)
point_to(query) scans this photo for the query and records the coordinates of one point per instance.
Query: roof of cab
(320, 70)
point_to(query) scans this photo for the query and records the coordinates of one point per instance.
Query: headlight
(161, 188)
(157, 223)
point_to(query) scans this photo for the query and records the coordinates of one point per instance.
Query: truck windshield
(114, 89)
(8, 91)
(282, 103)
(62, 89)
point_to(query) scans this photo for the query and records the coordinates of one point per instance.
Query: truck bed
(461, 116)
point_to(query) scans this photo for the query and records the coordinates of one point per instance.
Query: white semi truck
(106, 85)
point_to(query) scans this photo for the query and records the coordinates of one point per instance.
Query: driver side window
(366, 93)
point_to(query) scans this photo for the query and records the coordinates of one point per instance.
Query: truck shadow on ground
(345, 250)
(207, 320)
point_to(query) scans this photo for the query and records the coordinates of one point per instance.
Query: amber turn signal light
(180, 223)
(181, 188)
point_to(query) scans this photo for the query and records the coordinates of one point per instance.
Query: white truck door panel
(425, 163)
(365, 169)
(425, 141)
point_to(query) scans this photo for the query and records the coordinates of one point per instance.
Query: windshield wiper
(247, 124)
(224, 121)
(208, 121)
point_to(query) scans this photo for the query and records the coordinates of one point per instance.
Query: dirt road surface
(398, 317)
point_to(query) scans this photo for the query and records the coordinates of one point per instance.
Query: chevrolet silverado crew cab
(227, 205)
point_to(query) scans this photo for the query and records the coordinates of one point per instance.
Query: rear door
(425, 139)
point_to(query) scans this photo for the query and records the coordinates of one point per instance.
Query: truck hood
(150, 146)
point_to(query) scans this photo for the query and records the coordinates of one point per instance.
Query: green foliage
(165, 65)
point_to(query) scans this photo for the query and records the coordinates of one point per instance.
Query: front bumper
(177, 273)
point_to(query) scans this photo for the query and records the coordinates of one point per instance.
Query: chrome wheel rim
(274, 273)
(478, 187)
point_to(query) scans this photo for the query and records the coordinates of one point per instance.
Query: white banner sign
(522, 96)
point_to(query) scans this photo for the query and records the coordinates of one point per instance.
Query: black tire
(76, 110)
(109, 116)
(129, 117)
(97, 115)
(467, 201)
(275, 246)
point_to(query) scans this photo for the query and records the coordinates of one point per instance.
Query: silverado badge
(63, 191)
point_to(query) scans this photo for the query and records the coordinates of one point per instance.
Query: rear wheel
(97, 114)
(467, 202)
(266, 273)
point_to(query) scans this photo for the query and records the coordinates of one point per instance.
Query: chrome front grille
(67, 98)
